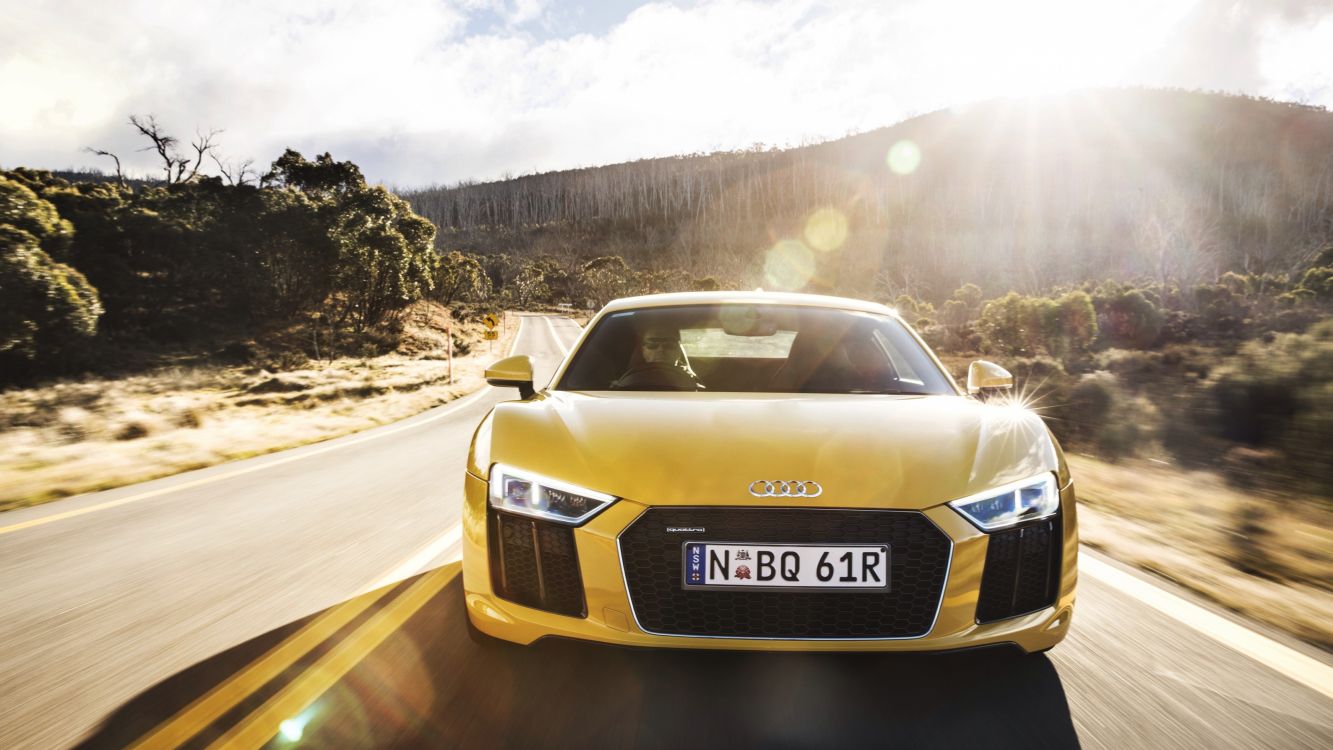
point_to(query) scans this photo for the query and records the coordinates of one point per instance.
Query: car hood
(909, 452)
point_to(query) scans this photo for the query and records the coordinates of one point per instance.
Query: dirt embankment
(1267, 556)
(80, 436)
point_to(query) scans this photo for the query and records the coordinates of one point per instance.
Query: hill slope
(1021, 193)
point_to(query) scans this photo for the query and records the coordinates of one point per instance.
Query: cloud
(421, 91)
(1229, 45)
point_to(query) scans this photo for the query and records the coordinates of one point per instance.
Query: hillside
(1161, 185)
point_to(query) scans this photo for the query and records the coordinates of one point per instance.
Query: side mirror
(512, 372)
(982, 374)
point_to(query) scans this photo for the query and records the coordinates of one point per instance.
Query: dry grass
(1266, 556)
(75, 437)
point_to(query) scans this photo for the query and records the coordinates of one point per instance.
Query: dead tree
(177, 168)
(234, 173)
(120, 176)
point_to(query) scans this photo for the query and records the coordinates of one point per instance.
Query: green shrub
(1297, 298)
(907, 305)
(1179, 327)
(1070, 325)
(23, 210)
(1133, 368)
(1127, 319)
(970, 296)
(954, 313)
(1238, 284)
(1319, 282)
(1278, 396)
(1016, 325)
(1010, 325)
(1108, 420)
(47, 306)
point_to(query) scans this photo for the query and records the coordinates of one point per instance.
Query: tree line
(92, 268)
(1173, 186)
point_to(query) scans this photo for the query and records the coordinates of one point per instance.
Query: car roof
(676, 299)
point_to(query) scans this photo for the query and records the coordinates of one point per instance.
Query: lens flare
(826, 230)
(904, 157)
(292, 729)
(789, 265)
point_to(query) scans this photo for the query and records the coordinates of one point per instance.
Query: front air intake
(650, 551)
(535, 563)
(1022, 570)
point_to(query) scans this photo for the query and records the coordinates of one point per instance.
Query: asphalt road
(228, 607)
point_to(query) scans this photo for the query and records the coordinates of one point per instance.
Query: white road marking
(1282, 659)
(264, 462)
(451, 538)
(556, 336)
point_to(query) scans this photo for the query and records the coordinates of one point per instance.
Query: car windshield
(755, 348)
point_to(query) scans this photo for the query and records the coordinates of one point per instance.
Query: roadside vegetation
(91, 433)
(149, 326)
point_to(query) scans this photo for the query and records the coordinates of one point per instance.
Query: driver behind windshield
(658, 362)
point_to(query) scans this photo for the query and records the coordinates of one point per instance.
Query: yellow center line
(264, 722)
(212, 706)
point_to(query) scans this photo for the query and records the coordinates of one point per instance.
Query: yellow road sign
(490, 320)
(490, 335)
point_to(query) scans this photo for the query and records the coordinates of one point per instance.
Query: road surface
(309, 598)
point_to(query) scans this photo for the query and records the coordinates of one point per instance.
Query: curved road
(308, 598)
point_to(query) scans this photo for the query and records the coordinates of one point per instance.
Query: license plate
(712, 565)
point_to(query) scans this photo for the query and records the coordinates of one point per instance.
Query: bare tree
(120, 176)
(235, 173)
(177, 168)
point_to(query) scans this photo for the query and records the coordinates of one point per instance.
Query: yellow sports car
(751, 470)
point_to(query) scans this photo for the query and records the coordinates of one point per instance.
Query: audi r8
(751, 470)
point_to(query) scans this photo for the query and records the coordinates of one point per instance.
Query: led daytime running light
(529, 494)
(1011, 504)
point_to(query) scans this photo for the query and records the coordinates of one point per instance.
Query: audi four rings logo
(784, 488)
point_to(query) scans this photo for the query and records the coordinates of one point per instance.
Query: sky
(422, 92)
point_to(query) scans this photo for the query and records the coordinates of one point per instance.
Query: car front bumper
(610, 617)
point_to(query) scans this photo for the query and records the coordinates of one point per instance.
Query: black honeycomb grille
(1022, 570)
(535, 563)
(919, 563)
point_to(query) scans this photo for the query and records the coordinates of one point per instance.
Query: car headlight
(530, 494)
(1011, 504)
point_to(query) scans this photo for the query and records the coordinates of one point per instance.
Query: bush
(909, 306)
(1179, 327)
(1107, 419)
(1127, 319)
(1010, 325)
(1237, 284)
(23, 210)
(47, 305)
(1221, 311)
(1135, 369)
(1319, 282)
(1028, 326)
(954, 314)
(1278, 396)
(1070, 325)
